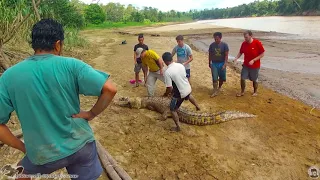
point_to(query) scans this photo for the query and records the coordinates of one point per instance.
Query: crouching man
(177, 82)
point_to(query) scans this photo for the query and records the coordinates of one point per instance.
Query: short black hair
(217, 34)
(167, 57)
(248, 32)
(140, 36)
(180, 37)
(45, 34)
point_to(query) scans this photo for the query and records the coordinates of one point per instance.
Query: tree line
(76, 14)
(261, 8)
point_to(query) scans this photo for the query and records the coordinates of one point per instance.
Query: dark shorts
(84, 163)
(176, 102)
(249, 73)
(217, 72)
(188, 73)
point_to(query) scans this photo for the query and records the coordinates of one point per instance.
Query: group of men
(44, 91)
(177, 75)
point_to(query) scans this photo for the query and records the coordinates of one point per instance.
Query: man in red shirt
(253, 51)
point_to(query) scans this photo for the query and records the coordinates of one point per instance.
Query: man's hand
(161, 72)
(251, 62)
(224, 66)
(87, 115)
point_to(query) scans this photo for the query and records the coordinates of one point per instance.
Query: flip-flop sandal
(254, 94)
(240, 94)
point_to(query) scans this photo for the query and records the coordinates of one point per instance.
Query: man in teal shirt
(44, 91)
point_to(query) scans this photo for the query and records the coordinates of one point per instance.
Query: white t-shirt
(176, 72)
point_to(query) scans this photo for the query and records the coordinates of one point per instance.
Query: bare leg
(243, 87)
(220, 83)
(215, 89)
(176, 121)
(193, 101)
(255, 87)
(137, 79)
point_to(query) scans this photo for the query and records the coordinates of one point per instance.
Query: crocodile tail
(232, 115)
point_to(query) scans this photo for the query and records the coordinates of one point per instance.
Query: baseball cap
(138, 52)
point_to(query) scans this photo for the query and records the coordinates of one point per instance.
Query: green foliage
(63, 11)
(260, 8)
(94, 14)
(110, 25)
(73, 39)
(146, 21)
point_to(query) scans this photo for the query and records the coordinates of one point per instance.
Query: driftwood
(17, 133)
(122, 173)
(106, 163)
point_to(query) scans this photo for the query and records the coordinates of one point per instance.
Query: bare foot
(175, 129)
(214, 94)
(240, 94)
(198, 108)
(137, 84)
(255, 94)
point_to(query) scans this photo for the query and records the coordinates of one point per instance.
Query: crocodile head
(123, 102)
(129, 102)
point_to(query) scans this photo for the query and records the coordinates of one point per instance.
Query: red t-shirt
(251, 51)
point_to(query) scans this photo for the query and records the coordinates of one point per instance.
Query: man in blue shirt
(44, 91)
(184, 54)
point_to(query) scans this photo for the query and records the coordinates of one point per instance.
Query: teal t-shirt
(44, 91)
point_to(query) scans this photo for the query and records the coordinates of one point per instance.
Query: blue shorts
(84, 163)
(217, 72)
(188, 73)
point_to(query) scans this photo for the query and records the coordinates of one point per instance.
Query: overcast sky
(178, 5)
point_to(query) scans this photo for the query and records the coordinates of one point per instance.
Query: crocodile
(161, 105)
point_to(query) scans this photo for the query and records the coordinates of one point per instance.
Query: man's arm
(9, 139)
(135, 58)
(92, 82)
(160, 64)
(168, 83)
(173, 51)
(226, 59)
(190, 57)
(259, 57)
(107, 94)
(145, 72)
(6, 108)
(261, 51)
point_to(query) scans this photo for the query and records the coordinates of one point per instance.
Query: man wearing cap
(151, 62)
(177, 82)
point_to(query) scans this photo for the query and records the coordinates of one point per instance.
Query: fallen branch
(106, 163)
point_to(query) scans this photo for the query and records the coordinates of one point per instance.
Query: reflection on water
(304, 26)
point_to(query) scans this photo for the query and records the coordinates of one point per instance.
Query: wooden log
(106, 163)
(122, 173)
(17, 133)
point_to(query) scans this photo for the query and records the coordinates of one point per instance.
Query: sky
(178, 5)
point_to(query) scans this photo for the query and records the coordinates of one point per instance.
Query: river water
(304, 26)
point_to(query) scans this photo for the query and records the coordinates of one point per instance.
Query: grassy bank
(110, 25)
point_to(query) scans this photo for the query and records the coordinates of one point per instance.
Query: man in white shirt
(177, 82)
